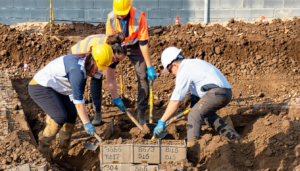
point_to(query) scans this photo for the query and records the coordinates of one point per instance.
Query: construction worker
(204, 81)
(58, 90)
(132, 22)
(120, 51)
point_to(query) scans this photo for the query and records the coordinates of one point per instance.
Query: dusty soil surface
(260, 60)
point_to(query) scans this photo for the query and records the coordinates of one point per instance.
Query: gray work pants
(137, 59)
(205, 110)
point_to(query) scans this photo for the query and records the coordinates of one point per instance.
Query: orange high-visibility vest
(84, 45)
(133, 25)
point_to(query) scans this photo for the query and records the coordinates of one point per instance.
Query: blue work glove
(90, 129)
(159, 127)
(119, 103)
(151, 73)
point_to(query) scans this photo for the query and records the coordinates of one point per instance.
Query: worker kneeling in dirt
(132, 22)
(120, 52)
(204, 81)
(59, 85)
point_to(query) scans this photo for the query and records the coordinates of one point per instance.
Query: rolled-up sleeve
(182, 84)
(76, 79)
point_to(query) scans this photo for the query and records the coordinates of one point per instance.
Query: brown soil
(260, 60)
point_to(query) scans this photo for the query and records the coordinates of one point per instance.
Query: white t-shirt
(193, 74)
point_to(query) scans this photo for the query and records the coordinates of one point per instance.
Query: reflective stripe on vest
(78, 47)
(136, 23)
(90, 38)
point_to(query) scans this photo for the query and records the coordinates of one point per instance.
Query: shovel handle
(121, 82)
(177, 117)
(133, 119)
(151, 102)
(98, 137)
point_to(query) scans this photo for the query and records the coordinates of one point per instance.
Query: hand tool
(163, 134)
(121, 82)
(151, 125)
(133, 119)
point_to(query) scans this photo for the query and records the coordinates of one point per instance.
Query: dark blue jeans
(59, 107)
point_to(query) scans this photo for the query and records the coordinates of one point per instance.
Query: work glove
(90, 129)
(151, 73)
(160, 127)
(119, 103)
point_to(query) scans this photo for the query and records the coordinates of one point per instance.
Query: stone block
(253, 4)
(171, 4)
(146, 4)
(253, 13)
(24, 3)
(295, 12)
(199, 13)
(100, 13)
(103, 4)
(273, 3)
(80, 4)
(68, 13)
(183, 13)
(6, 3)
(280, 13)
(221, 13)
(5, 13)
(193, 4)
(19, 13)
(60, 4)
(291, 4)
(231, 4)
(159, 14)
(39, 13)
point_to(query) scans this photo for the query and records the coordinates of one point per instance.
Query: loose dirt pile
(261, 61)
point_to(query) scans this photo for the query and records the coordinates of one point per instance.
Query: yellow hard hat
(103, 55)
(122, 7)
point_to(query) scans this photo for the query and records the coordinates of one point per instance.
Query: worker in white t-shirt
(207, 84)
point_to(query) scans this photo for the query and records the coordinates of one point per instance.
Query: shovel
(108, 132)
(164, 133)
(151, 125)
(93, 147)
(121, 82)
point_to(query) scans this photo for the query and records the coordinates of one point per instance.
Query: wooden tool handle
(121, 82)
(133, 119)
(98, 137)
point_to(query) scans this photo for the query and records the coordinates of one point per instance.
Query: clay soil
(260, 60)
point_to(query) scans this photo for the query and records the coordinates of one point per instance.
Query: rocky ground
(260, 60)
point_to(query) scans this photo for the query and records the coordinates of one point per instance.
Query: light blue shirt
(193, 74)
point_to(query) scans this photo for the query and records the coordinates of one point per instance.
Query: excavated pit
(260, 60)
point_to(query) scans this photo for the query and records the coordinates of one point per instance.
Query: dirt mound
(260, 60)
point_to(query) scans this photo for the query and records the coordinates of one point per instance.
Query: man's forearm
(146, 54)
(172, 107)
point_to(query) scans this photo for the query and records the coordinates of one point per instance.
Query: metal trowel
(107, 134)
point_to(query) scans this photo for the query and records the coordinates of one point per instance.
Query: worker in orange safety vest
(132, 22)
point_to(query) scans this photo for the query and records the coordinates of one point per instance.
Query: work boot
(48, 135)
(141, 116)
(193, 151)
(97, 118)
(65, 135)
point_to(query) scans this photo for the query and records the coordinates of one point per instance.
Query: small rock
(268, 152)
(267, 123)
(289, 142)
(295, 163)
(3, 52)
(157, 31)
(261, 95)
(273, 141)
(4, 162)
(248, 163)
(93, 168)
(15, 157)
(258, 57)
(218, 50)
(231, 20)
(286, 124)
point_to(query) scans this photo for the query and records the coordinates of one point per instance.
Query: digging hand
(160, 127)
(90, 129)
(119, 103)
(151, 73)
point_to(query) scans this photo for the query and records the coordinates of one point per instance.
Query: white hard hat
(168, 56)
